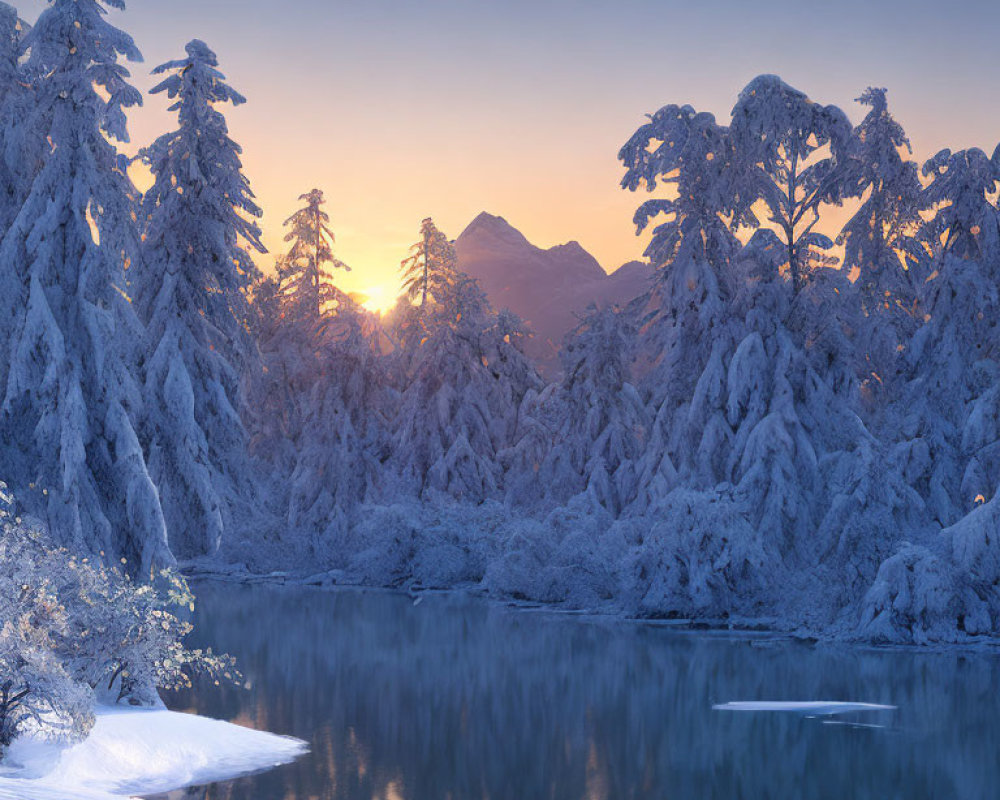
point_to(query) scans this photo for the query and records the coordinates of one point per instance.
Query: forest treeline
(790, 427)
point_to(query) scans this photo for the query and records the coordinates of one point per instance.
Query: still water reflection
(459, 698)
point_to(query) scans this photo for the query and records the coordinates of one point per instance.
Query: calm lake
(455, 697)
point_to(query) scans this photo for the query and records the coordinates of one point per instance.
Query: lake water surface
(460, 698)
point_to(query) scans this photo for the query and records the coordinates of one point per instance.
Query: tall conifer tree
(191, 293)
(70, 399)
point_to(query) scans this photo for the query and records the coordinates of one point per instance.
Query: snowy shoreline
(134, 752)
(768, 628)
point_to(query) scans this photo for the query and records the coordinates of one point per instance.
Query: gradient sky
(401, 109)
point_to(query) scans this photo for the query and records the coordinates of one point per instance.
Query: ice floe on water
(810, 708)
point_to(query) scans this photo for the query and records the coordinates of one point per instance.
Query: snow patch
(139, 751)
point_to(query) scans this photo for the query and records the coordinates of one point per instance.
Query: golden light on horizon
(379, 298)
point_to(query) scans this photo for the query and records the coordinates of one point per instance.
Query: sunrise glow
(462, 399)
(471, 124)
(379, 299)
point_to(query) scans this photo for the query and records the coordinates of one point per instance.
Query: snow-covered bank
(139, 751)
(778, 624)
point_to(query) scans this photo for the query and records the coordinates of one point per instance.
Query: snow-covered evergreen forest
(797, 426)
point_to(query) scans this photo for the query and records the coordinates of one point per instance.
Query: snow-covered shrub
(431, 545)
(700, 557)
(570, 557)
(379, 550)
(913, 599)
(37, 690)
(74, 630)
(946, 591)
(137, 644)
(528, 549)
(456, 543)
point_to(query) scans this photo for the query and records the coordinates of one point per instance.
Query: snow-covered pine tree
(343, 439)
(790, 154)
(267, 396)
(459, 409)
(963, 192)
(945, 410)
(792, 159)
(517, 377)
(785, 417)
(190, 292)
(10, 48)
(772, 460)
(307, 286)
(430, 267)
(293, 318)
(945, 382)
(429, 274)
(12, 97)
(981, 437)
(69, 444)
(603, 418)
(880, 242)
(402, 325)
(688, 153)
(531, 416)
(444, 439)
(684, 330)
(943, 588)
(19, 149)
(827, 321)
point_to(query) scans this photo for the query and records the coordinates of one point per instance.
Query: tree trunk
(793, 261)
(423, 299)
(315, 265)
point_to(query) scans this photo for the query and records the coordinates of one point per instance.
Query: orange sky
(445, 108)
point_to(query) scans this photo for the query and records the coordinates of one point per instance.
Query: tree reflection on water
(460, 698)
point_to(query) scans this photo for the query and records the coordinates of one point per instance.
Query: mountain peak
(547, 288)
(573, 249)
(485, 218)
(495, 227)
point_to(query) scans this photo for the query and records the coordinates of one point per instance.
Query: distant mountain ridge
(549, 288)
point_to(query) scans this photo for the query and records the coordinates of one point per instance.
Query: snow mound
(139, 751)
(944, 592)
(810, 708)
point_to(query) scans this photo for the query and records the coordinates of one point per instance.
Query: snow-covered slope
(547, 288)
(132, 752)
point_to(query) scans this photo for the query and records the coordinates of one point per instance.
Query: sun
(379, 299)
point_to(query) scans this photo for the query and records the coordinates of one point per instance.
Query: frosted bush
(74, 630)
(700, 558)
(945, 592)
(571, 558)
